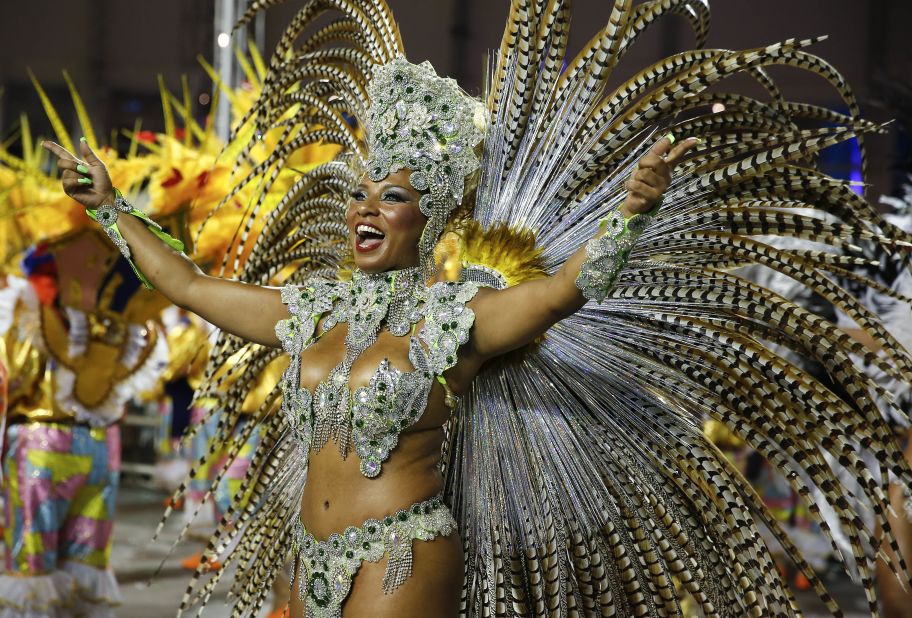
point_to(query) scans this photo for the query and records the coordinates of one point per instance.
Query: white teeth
(363, 228)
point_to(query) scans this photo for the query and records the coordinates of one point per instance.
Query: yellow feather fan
(506, 250)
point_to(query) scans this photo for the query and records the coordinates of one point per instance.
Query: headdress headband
(427, 124)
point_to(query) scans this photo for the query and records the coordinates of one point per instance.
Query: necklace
(393, 296)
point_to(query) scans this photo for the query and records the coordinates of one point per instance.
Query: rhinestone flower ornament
(427, 124)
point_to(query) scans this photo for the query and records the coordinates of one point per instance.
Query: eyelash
(387, 197)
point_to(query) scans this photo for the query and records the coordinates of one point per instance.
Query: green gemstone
(402, 516)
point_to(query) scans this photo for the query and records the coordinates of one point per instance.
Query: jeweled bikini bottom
(325, 569)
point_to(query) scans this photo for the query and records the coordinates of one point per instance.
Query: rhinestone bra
(370, 418)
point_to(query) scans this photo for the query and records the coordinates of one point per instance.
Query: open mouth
(368, 238)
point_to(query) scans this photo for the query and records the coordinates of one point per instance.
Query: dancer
(579, 478)
(73, 369)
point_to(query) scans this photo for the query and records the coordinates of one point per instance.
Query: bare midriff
(336, 494)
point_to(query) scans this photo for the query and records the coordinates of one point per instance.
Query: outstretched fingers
(87, 153)
(86, 180)
(662, 147)
(677, 153)
(57, 150)
(669, 150)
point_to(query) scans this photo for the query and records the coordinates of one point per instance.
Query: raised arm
(247, 311)
(500, 328)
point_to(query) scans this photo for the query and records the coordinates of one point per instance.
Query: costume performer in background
(184, 183)
(79, 340)
(576, 470)
(73, 368)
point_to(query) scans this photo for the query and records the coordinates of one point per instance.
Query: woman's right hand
(248, 311)
(85, 180)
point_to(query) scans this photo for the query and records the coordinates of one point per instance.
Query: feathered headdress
(424, 123)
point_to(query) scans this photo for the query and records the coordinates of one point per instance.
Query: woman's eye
(358, 196)
(393, 197)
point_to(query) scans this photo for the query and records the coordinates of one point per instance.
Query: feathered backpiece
(610, 494)
(579, 474)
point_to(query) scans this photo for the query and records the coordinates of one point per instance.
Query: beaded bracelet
(607, 254)
(106, 215)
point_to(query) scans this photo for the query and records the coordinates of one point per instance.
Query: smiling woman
(577, 474)
(386, 223)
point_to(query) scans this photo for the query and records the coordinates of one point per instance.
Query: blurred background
(116, 51)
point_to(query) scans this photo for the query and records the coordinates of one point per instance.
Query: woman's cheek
(407, 219)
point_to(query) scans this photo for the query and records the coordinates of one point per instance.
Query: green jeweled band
(326, 569)
(107, 214)
(607, 254)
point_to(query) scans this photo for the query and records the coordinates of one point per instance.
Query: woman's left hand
(652, 176)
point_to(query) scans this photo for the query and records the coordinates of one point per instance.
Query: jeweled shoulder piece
(447, 322)
(304, 304)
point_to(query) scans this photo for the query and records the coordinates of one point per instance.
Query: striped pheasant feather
(592, 443)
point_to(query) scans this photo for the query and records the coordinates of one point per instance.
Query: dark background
(114, 49)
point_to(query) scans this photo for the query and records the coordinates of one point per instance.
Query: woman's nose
(367, 206)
